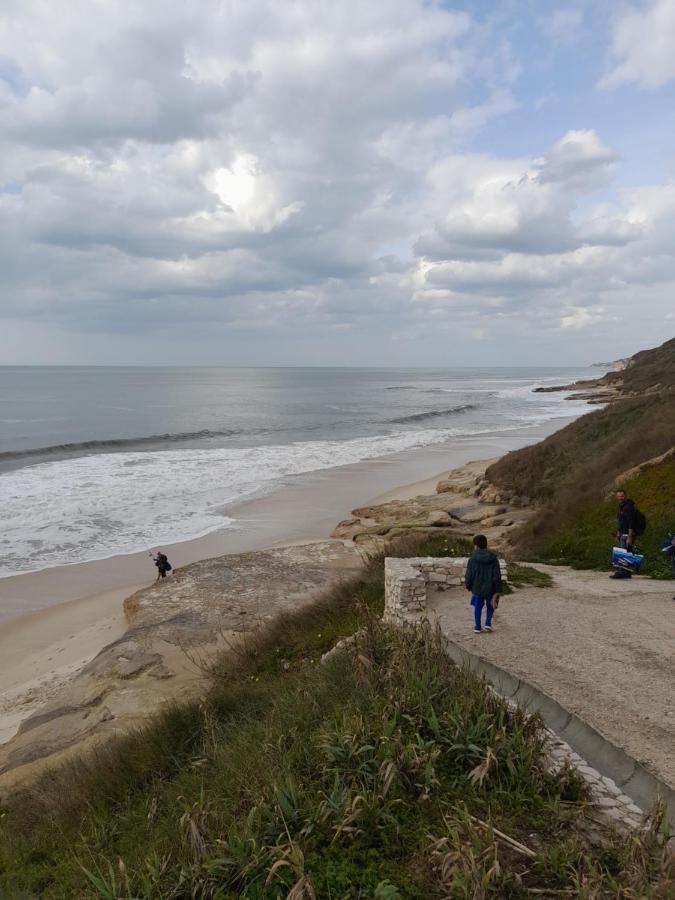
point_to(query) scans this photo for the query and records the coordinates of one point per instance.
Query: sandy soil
(603, 649)
(41, 651)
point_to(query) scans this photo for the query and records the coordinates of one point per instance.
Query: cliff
(570, 474)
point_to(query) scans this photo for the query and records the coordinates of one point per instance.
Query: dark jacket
(483, 575)
(625, 516)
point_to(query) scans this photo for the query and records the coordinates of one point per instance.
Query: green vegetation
(444, 545)
(520, 576)
(649, 370)
(381, 773)
(586, 544)
(573, 471)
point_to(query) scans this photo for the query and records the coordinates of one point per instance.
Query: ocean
(96, 461)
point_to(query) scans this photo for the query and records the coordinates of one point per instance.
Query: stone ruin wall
(406, 581)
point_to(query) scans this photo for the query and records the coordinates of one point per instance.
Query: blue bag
(624, 559)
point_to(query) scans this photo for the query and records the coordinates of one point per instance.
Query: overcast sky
(344, 183)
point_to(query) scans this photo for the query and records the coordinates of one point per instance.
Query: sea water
(98, 461)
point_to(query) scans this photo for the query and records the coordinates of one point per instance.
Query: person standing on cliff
(625, 528)
(162, 563)
(484, 580)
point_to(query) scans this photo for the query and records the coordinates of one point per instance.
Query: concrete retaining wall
(633, 779)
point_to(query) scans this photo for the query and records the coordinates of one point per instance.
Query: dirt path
(603, 649)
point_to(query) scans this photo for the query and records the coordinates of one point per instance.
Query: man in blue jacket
(484, 580)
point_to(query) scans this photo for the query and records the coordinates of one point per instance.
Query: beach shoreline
(71, 613)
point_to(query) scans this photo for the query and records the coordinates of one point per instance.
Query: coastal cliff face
(570, 474)
(649, 372)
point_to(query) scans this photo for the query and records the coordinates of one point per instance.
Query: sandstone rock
(48, 735)
(132, 667)
(482, 513)
(438, 518)
(493, 521)
(161, 672)
(488, 494)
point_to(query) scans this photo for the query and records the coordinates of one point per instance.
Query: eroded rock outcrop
(174, 627)
(463, 501)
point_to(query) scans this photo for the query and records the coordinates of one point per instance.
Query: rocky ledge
(174, 628)
(463, 503)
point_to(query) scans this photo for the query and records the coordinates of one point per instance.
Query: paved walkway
(603, 649)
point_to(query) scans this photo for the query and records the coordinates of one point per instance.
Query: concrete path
(603, 649)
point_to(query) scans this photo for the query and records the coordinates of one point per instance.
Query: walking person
(484, 580)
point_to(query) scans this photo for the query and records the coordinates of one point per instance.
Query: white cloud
(579, 159)
(281, 169)
(580, 317)
(520, 237)
(643, 45)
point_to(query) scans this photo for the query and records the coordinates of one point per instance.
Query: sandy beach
(55, 621)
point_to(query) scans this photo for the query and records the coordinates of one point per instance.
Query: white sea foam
(97, 506)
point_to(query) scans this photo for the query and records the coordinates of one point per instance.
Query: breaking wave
(112, 444)
(432, 414)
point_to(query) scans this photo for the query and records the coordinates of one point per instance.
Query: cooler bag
(624, 559)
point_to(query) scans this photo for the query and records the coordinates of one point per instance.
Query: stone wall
(406, 581)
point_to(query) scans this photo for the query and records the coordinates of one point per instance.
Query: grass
(520, 576)
(443, 545)
(571, 473)
(381, 773)
(585, 545)
(650, 369)
(582, 460)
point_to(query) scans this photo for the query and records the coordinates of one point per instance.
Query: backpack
(639, 523)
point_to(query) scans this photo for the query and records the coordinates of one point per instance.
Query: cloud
(522, 206)
(523, 237)
(578, 160)
(580, 317)
(246, 176)
(156, 154)
(643, 46)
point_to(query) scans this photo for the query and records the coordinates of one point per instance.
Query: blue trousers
(478, 603)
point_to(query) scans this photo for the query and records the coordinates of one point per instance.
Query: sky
(398, 182)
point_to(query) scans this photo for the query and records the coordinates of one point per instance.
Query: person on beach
(162, 563)
(625, 528)
(484, 580)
